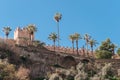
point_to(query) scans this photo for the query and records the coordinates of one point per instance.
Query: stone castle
(22, 36)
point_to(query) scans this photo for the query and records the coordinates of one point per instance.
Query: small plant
(7, 71)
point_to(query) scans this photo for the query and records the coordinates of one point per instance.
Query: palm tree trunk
(58, 35)
(31, 37)
(83, 50)
(87, 48)
(54, 45)
(7, 35)
(113, 51)
(73, 46)
(5, 40)
(92, 50)
(77, 46)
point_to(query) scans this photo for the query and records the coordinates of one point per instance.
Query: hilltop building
(22, 36)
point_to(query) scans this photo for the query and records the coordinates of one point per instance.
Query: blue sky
(99, 18)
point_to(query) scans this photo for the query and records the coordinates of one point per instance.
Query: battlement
(68, 50)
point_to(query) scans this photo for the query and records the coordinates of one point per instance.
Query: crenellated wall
(81, 51)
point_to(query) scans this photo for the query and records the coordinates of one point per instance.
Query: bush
(7, 71)
(103, 54)
(22, 73)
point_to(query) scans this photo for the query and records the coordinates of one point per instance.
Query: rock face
(68, 61)
(55, 76)
(41, 60)
(38, 59)
(115, 63)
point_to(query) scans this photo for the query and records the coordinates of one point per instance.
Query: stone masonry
(22, 36)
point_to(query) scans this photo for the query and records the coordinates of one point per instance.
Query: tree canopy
(6, 30)
(105, 50)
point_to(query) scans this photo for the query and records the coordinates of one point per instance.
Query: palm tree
(77, 37)
(7, 30)
(72, 38)
(57, 18)
(31, 29)
(113, 46)
(87, 37)
(53, 37)
(92, 43)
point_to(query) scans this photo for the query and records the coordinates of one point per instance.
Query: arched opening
(68, 62)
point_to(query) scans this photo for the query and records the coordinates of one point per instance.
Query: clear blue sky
(99, 18)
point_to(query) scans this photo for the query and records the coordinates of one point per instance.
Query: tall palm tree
(92, 43)
(77, 37)
(53, 37)
(72, 38)
(31, 29)
(57, 18)
(7, 30)
(87, 37)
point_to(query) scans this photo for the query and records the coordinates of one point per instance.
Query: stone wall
(7, 41)
(69, 50)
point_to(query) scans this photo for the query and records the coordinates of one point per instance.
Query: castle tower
(21, 35)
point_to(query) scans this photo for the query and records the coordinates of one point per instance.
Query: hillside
(40, 60)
